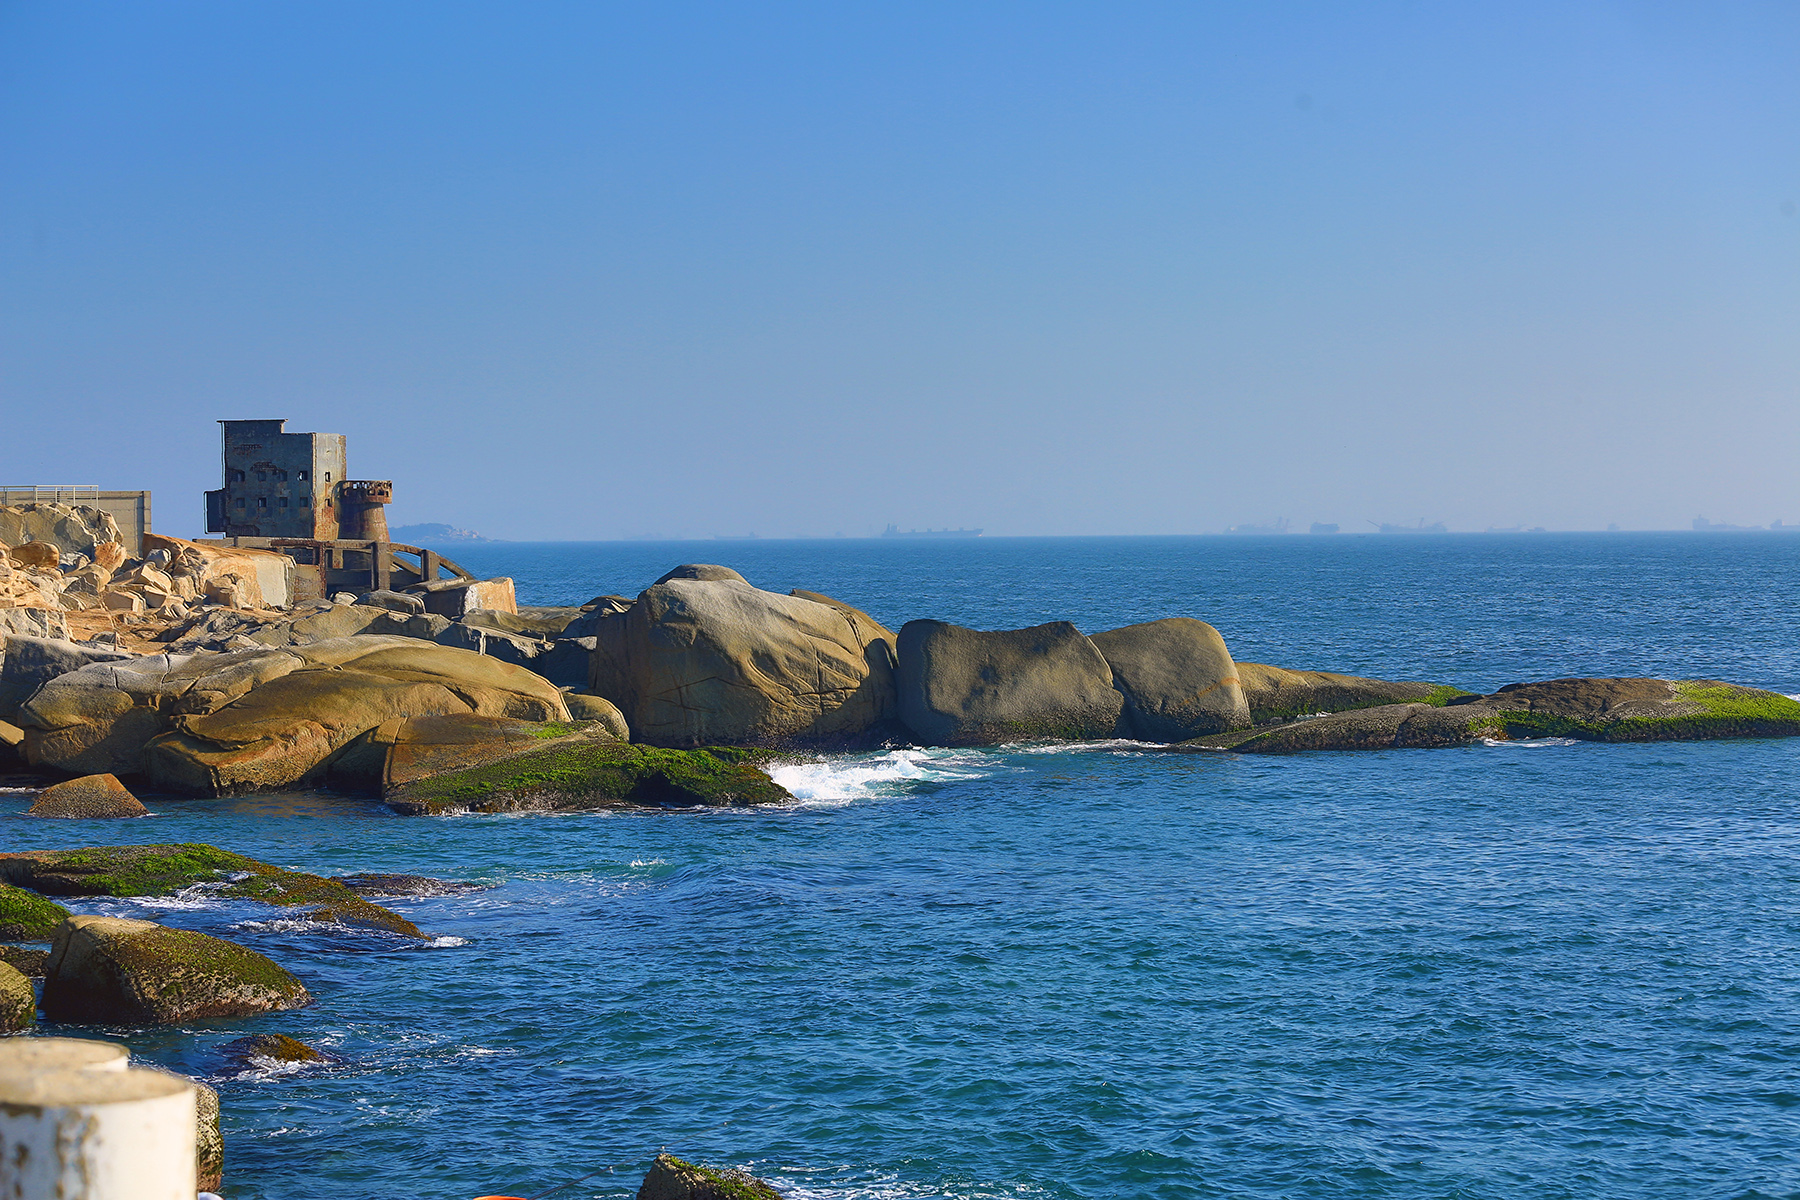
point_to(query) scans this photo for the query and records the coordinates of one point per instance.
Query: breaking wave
(842, 780)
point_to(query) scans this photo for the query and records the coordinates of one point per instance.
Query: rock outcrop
(272, 1047)
(669, 1178)
(116, 971)
(163, 870)
(68, 528)
(1601, 710)
(31, 662)
(18, 1002)
(26, 916)
(89, 798)
(229, 575)
(1278, 694)
(580, 773)
(1177, 679)
(966, 687)
(219, 724)
(715, 661)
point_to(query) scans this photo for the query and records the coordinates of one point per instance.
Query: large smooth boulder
(89, 798)
(1278, 694)
(216, 724)
(18, 1002)
(117, 971)
(708, 662)
(1177, 679)
(670, 1178)
(26, 916)
(966, 687)
(71, 528)
(31, 662)
(703, 572)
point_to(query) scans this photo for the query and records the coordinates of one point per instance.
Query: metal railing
(50, 493)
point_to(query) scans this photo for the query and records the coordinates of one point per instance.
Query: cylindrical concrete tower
(362, 512)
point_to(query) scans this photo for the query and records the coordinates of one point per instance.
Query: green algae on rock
(1643, 710)
(112, 970)
(26, 916)
(670, 1178)
(1595, 710)
(18, 1003)
(162, 870)
(277, 1047)
(585, 773)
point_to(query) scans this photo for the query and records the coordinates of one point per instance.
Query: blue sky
(589, 270)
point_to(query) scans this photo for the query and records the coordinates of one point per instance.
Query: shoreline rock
(670, 1178)
(969, 687)
(1593, 709)
(161, 870)
(583, 773)
(117, 971)
(87, 798)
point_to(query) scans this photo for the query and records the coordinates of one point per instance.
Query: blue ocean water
(1528, 970)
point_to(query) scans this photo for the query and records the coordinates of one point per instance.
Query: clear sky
(594, 270)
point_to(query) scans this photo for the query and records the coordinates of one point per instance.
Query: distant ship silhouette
(896, 531)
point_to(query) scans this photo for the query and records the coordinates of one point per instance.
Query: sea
(1535, 969)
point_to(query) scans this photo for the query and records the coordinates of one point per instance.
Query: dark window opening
(261, 502)
(237, 477)
(302, 474)
(262, 477)
(281, 503)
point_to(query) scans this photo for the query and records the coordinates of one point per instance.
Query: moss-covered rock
(111, 970)
(18, 1003)
(26, 917)
(669, 1178)
(277, 1047)
(1642, 710)
(583, 773)
(1598, 710)
(162, 870)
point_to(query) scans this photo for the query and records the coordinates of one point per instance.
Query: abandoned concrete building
(288, 492)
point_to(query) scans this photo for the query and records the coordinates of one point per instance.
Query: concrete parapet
(77, 1122)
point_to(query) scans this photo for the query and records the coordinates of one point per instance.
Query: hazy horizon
(573, 272)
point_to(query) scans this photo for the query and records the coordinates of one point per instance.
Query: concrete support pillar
(77, 1122)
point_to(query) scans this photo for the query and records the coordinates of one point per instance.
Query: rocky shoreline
(174, 675)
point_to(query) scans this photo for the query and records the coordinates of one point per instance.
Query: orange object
(499, 1198)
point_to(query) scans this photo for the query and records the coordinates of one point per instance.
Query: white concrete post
(78, 1123)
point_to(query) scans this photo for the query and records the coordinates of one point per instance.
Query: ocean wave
(843, 780)
(1530, 743)
(1078, 747)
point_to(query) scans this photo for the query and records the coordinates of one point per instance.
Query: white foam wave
(260, 1066)
(1530, 743)
(1078, 747)
(841, 780)
(446, 942)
